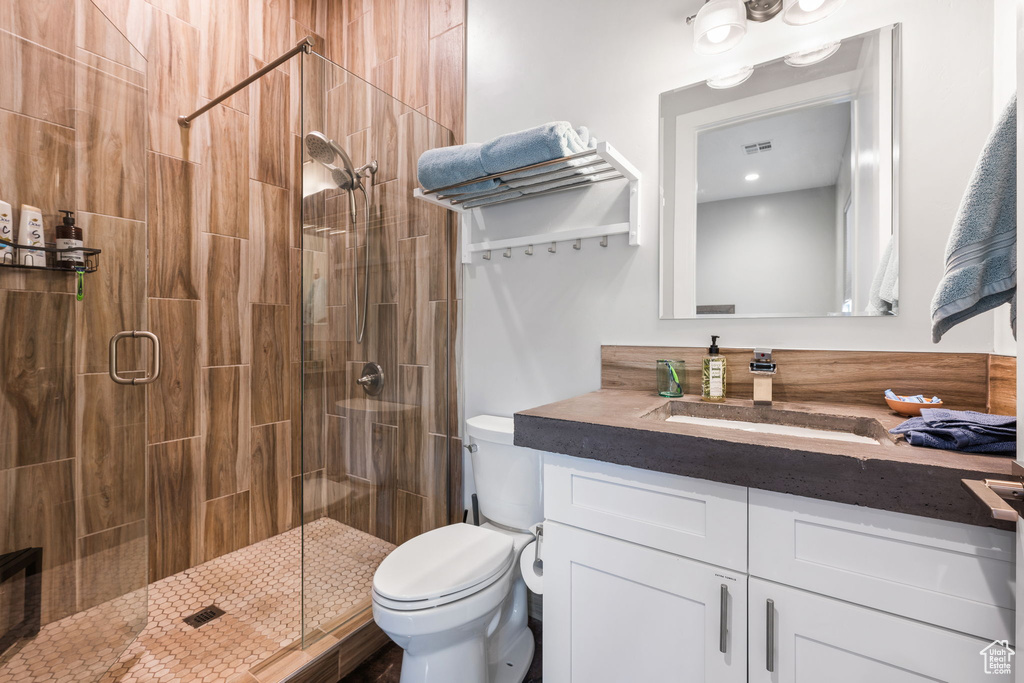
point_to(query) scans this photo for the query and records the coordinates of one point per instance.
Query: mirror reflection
(779, 190)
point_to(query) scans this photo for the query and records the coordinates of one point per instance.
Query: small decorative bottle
(69, 236)
(713, 376)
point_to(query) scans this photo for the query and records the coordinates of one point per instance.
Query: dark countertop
(629, 428)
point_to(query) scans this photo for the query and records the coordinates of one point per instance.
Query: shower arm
(305, 45)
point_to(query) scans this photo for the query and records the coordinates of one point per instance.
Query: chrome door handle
(154, 372)
(770, 636)
(723, 617)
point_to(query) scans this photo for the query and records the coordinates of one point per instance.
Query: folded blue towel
(531, 146)
(446, 166)
(565, 168)
(981, 255)
(961, 430)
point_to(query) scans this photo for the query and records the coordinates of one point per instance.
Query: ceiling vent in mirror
(758, 147)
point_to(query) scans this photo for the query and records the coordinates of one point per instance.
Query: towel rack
(599, 165)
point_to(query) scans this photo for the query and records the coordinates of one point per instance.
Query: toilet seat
(442, 566)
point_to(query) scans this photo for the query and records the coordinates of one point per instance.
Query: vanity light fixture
(803, 12)
(809, 57)
(730, 80)
(751, 177)
(720, 25)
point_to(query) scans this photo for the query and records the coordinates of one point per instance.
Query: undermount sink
(806, 424)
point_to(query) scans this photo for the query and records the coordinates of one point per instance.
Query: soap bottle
(69, 236)
(7, 256)
(713, 376)
(30, 234)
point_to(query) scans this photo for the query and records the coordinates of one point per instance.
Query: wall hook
(577, 245)
(529, 250)
(552, 247)
(604, 241)
(487, 255)
(508, 252)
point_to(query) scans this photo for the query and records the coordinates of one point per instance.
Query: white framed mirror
(779, 187)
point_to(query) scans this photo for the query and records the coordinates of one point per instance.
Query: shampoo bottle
(30, 234)
(6, 234)
(713, 376)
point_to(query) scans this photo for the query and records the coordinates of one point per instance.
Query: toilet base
(517, 661)
(466, 662)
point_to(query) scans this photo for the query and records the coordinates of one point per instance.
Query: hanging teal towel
(981, 255)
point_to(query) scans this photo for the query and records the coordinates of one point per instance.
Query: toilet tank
(508, 478)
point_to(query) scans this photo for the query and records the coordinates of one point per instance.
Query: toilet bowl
(454, 598)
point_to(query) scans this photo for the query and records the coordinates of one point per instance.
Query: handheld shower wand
(349, 178)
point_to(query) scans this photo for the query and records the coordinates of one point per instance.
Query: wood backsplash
(965, 381)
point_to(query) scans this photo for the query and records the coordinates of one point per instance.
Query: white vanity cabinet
(635, 563)
(616, 612)
(631, 587)
(801, 637)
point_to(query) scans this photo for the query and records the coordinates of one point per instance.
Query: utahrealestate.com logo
(998, 658)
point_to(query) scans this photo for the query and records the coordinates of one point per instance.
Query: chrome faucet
(762, 368)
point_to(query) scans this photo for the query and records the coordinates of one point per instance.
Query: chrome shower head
(344, 179)
(321, 148)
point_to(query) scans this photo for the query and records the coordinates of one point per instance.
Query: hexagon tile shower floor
(258, 588)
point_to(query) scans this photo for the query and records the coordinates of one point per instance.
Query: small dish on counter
(910, 408)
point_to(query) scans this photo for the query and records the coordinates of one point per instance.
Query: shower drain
(203, 616)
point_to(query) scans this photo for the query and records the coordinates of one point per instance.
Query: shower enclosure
(303, 421)
(378, 323)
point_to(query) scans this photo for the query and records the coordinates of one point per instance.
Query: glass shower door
(376, 295)
(73, 536)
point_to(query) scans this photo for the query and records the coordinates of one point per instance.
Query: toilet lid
(443, 561)
(491, 428)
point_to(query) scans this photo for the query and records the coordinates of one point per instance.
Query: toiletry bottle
(30, 234)
(69, 236)
(7, 256)
(713, 376)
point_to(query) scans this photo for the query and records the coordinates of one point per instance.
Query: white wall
(533, 326)
(769, 254)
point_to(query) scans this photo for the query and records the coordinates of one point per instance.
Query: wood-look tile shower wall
(88, 107)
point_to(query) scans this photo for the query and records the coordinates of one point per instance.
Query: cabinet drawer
(694, 518)
(953, 575)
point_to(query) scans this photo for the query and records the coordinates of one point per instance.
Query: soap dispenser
(713, 376)
(69, 236)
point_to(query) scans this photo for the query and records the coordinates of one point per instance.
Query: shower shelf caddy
(598, 165)
(91, 258)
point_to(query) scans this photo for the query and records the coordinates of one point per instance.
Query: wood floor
(385, 665)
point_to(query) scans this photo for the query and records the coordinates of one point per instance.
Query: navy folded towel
(961, 430)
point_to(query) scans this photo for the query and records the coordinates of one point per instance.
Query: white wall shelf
(602, 164)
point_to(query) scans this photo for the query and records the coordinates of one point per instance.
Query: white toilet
(454, 598)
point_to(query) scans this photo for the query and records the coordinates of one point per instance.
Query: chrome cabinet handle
(770, 636)
(723, 617)
(155, 368)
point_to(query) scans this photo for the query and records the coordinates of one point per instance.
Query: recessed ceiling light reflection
(751, 177)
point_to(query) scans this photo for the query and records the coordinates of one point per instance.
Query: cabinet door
(616, 612)
(801, 637)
